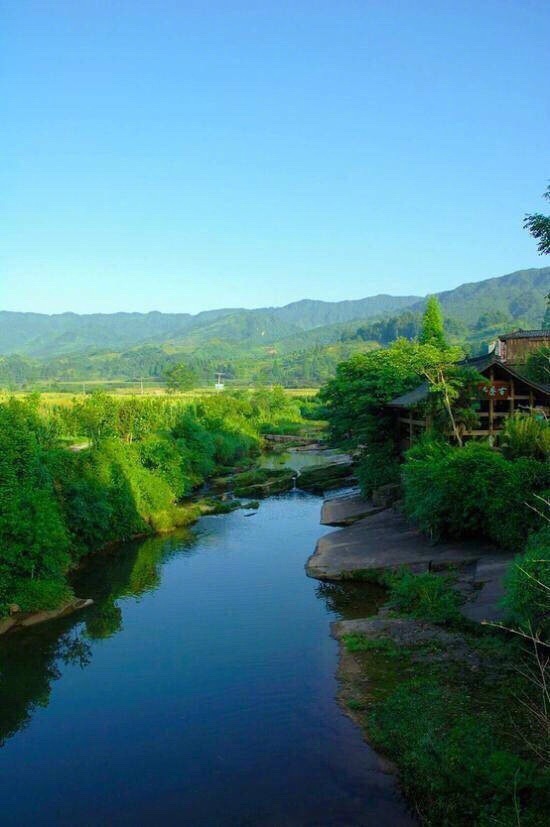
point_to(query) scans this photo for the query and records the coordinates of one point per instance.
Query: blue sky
(182, 155)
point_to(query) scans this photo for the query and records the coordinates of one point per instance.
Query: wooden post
(512, 396)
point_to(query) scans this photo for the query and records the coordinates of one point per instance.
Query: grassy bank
(458, 708)
(144, 458)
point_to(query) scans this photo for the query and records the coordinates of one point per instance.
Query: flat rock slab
(382, 542)
(22, 619)
(486, 601)
(344, 511)
(386, 542)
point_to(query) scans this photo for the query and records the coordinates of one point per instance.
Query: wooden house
(505, 392)
(514, 348)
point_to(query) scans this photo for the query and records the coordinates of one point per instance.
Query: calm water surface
(198, 690)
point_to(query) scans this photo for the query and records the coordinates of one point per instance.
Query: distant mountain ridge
(516, 296)
(41, 335)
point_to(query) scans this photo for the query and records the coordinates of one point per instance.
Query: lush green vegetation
(356, 399)
(539, 227)
(473, 491)
(528, 587)
(467, 728)
(144, 457)
(454, 732)
(426, 596)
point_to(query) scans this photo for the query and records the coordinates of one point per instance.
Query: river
(198, 690)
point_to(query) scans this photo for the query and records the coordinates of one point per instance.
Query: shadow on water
(32, 659)
(198, 688)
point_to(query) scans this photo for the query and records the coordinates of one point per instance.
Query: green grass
(425, 596)
(362, 643)
(453, 732)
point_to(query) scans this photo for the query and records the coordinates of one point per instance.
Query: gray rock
(411, 633)
(344, 511)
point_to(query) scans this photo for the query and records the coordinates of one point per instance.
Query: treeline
(302, 367)
(144, 457)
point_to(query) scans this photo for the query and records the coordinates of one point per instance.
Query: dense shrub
(32, 595)
(472, 491)
(379, 466)
(528, 586)
(354, 400)
(525, 435)
(144, 456)
(34, 542)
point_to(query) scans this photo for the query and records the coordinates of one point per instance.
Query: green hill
(298, 344)
(518, 296)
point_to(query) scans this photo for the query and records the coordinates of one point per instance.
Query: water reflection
(32, 659)
(29, 663)
(352, 600)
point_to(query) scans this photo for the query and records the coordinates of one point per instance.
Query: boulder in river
(324, 477)
(261, 482)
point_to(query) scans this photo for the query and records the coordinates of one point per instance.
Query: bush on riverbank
(379, 466)
(144, 456)
(456, 714)
(427, 596)
(449, 730)
(472, 492)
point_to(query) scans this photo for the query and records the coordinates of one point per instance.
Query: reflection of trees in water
(104, 622)
(352, 600)
(29, 663)
(31, 660)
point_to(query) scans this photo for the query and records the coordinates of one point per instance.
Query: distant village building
(507, 390)
(514, 348)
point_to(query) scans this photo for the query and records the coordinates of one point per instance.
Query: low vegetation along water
(199, 689)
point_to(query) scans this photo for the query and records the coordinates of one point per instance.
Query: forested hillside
(40, 335)
(296, 345)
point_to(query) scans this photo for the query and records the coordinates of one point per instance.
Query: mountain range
(518, 297)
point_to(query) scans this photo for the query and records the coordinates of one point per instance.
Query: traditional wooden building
(514, 348)
(505, 392)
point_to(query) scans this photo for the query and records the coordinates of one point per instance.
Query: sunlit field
(53, 398)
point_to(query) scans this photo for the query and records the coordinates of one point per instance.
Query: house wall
(517, 350)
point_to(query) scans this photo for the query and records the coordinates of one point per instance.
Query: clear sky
(186, 155)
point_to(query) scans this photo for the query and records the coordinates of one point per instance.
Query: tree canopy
(539, 227)
(180, 377)
(431, 332)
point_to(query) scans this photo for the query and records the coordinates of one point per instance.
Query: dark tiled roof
(526, 334)
(413, 397)
(480, 363)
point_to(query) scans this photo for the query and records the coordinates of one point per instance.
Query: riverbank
(220, 495)
(385, 540)
(141, 461)
(200, 683)
(430, 689)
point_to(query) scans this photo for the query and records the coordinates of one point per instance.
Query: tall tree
(432, 324)
(180, 377)
(546, 320)
(539, 227)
